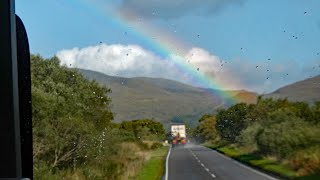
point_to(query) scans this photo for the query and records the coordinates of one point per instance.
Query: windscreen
(112, 80)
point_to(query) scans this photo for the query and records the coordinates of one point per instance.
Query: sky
(224, 44)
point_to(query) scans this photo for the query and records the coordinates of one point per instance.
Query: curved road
(194, 162)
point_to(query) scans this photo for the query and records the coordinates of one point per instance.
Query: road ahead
(194, 162)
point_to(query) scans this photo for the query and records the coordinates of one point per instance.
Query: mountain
(306, 90)
(165, 100)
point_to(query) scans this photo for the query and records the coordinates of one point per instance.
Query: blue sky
(246, 32)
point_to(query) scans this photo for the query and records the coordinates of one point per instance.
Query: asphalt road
(194, 162)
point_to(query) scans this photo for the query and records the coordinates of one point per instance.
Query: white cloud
(120, 60)
(135, 61)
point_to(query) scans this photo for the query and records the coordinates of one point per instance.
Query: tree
(70, 114)
(206, 129)
(285, 133)
(232, 121)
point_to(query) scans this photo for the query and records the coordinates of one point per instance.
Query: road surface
(194, 162)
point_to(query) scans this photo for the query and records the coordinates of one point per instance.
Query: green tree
(285, 133)
(232, 121)
(70, 114)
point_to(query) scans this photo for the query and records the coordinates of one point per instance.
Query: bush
(248, 136)
(232, 121)
(156, 145)
(306, 161)
(142, 145)
(287, 134)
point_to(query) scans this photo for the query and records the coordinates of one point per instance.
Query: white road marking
(205, 168)
(244, 166)
(167, 164)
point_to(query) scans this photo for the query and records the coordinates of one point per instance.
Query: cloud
(118, 60)
(135, 61)
(174, 9)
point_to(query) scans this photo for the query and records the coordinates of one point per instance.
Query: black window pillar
(10, 143)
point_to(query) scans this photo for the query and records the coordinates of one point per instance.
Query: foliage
(287, 131)
(73, 133)
(232, 121)
(154, 168)
(70, 114)
(206, 130)
(248, 136)
(145, 129)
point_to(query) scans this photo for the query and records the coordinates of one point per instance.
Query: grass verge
(267, 165)
(153, 168)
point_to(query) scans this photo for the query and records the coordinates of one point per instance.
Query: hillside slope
(306, 90)
(162, 99)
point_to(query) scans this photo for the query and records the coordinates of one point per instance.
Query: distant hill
(307, 90)
(165, 100)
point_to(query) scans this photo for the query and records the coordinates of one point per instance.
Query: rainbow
(163, 44)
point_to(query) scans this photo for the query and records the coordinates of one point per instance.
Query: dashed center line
(205, 168)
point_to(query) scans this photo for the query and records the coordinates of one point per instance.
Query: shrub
(248, 136)
(156, 145)
(306, 161)
(287, 134)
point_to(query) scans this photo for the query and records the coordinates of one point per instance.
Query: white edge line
(167, 164)
(245, 166)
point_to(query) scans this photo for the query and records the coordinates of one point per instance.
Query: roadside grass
(265, 164)
(153, 169)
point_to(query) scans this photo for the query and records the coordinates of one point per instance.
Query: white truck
(178, 133)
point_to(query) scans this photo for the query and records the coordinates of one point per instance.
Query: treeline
(286, 131)
(73, 133)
